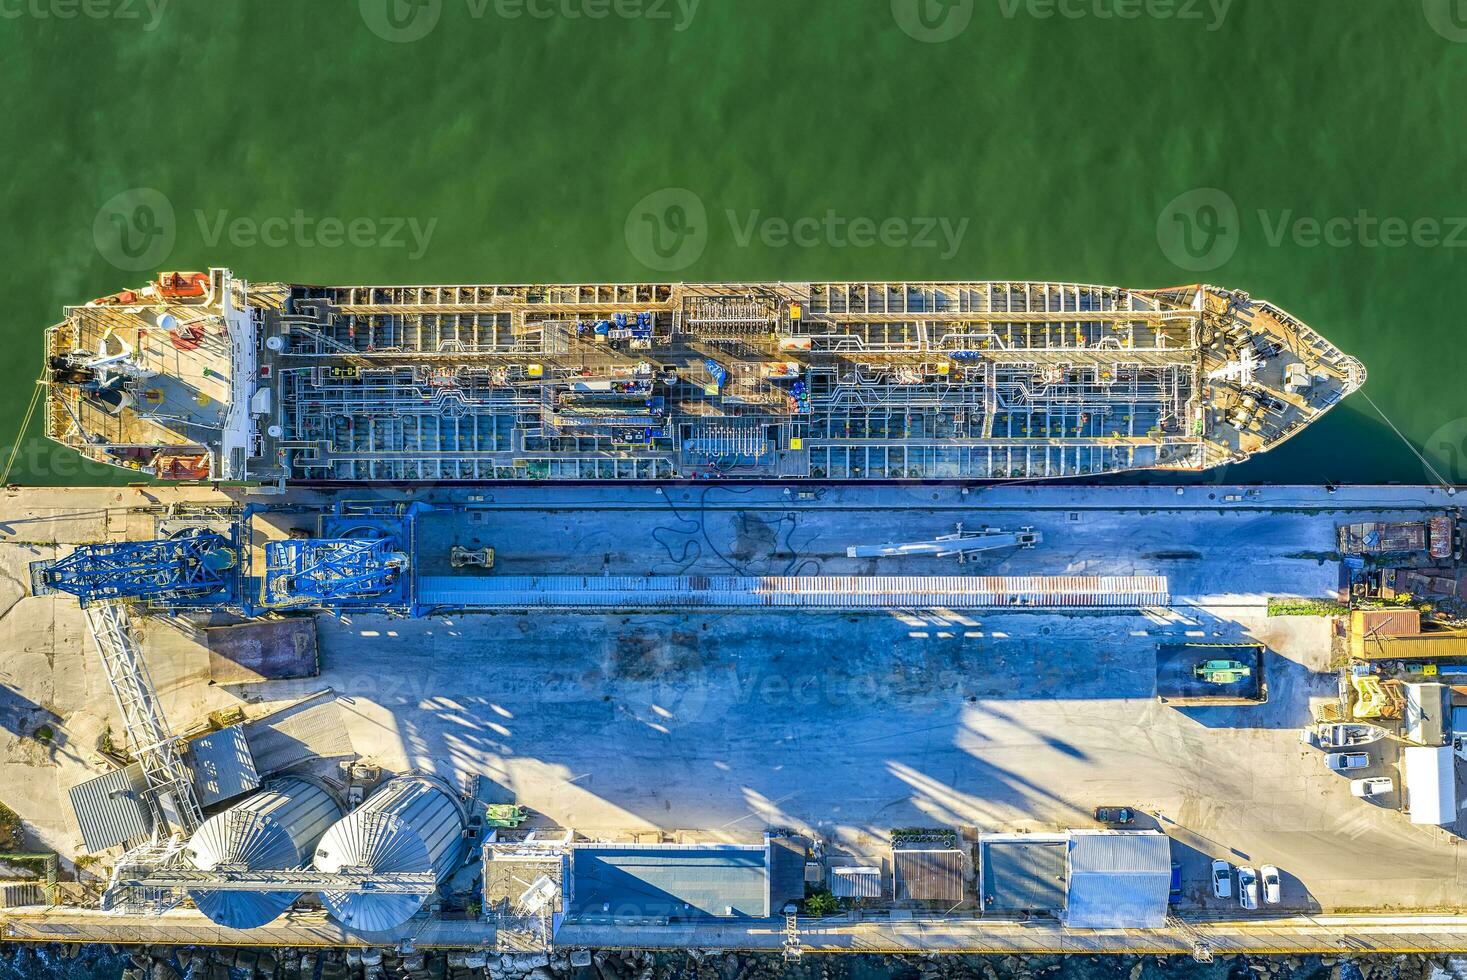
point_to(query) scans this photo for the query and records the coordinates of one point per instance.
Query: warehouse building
(929, 871)
(855, 882)
(1089, 879)
(113, 808)
(668, 882)
(1022, 872)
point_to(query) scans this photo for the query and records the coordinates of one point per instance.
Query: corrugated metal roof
(223, 765)
(112, 809)
(1118, 879)
(1385, 622)
(1422, 646)
(928, 875)
(1023, 874)
(670, 880)
(786, 871)
(1427, 716)
(297, 734)
(804, 591)
(855, 882)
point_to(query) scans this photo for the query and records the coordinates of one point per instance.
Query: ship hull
(207, 377)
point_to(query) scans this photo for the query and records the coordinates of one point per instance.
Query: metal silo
(412, 824)
(274, 830)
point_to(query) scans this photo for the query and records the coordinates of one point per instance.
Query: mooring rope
(1409, 444)
(20, 436)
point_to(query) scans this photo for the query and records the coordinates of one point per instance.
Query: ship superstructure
(205, 376)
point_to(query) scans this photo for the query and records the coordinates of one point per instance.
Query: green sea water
(1309, 152)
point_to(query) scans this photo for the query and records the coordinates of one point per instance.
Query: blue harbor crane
(193, 568)
(189, 568)
(330, 571)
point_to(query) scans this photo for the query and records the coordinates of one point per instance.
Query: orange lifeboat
(183, 285)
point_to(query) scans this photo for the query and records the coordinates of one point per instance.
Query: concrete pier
(712, 725)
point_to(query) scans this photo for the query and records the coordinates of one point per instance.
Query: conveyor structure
(359, 558)
(322, 572)
(960, 544)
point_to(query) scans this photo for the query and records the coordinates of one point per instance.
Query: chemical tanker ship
(203, 376)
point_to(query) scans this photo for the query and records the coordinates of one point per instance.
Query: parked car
(1222, 879)
(1272, 884)
(1372, 786)
(1121, 815)
(1247, 887)
(1345, 761)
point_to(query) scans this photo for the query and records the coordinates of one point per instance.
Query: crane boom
(170, 783)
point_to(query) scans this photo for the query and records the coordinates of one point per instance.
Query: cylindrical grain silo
(274, 830)
(412, 824)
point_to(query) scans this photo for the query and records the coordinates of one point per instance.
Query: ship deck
(184, 399)
(819, 381)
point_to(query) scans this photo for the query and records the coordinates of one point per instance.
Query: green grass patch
(12, 835)
(1306, 607)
